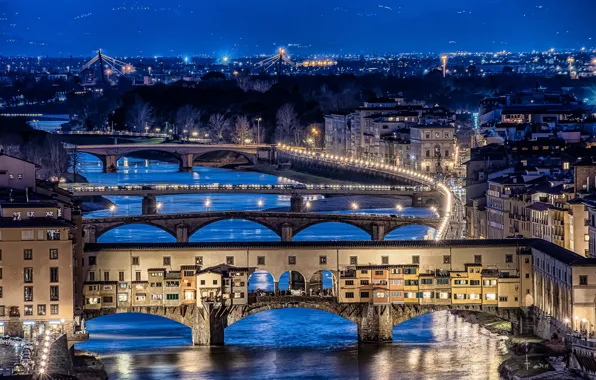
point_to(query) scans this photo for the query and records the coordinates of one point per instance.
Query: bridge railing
(253, 298)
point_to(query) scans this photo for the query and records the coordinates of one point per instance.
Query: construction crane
(109, 66)
(277, 60)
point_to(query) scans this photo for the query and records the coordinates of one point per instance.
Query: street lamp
(113, 209)
(399, 207)
(308, 205)
(354, 206)
(260, 204)
(259, 119)
(159, 206)
(207, 204)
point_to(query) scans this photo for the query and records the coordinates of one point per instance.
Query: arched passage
(86, 162)
(411, 232)
(331, 231)
(131, 233)
(261, 282)
(151, 154)
(292, 283)
(233, 230)
(322, 283)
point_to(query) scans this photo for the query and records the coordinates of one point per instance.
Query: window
(489, 282)
(27, 254)
(490, 296)
(53, 253)
(92, 260)
(189, 295)
(30, 214)
(415, 259)
(396, 271)
(28, 275)
(260, 260)
(202, 282)
(583, 280)
(502, 299)
(120, 276)
(135, 260)
(214, 282)
(122, 297)
(411, 282)
(395, 294)
(27, 235)
(353, 260)
(54, 309)
(428, 153)
(28, 294)
(156, 297)
(508, 258)
(349, 282)
(167, 261)
(157, 284)
(54, 293)
(91, 276)
(460, 282)
(446, 259)
(396, 282)
(427, 281)
(54, 274)
(0, 292)
(291, 260)
(364, 271)
(477, 259)
(474, 296)
(349, 294)
(475, 282)
(172, 284)
(446, 153)
(364, 294)
(527, 260)
(53, 235)
(28, 310)
(1, 311)
(364, 282)
(140, 297)
(230, 260)
(459, 296)
(107, 299)
(172, 297)
(379, 273)
(322, 260)
(137, 276)
(106, 276)
(527, 275)
(385, 260)
(198, 260)
(442, 281)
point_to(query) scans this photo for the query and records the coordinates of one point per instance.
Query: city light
(354, 206)
(260, 204)
(207, 204)
(159, 206)
(112, 209)
(399, 207)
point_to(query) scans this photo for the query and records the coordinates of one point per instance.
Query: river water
(279, 344)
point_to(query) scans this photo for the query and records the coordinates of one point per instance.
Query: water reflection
(293, 344)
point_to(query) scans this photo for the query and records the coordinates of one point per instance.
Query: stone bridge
(185, 154)
(284, 224)
(375, 322)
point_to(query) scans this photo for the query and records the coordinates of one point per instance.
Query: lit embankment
(385, 169)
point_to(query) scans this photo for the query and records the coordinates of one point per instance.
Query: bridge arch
(261, 281)
(408, 228)
(249, 157)
(100, 233)
(194, 229)
(320, 222)
(168, 153)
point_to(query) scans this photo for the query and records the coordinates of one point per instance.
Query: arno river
(280, 344)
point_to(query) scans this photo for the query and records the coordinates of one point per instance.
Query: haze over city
(239, 27)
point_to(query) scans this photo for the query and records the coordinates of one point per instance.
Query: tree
(188, 118)
(287, 124)
(140, 114)
(242, 132)
(218, 127)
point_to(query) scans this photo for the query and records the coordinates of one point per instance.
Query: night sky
(242, 27)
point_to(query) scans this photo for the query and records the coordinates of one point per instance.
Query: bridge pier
(287, 232)
(110, 164)
(276, 288)
(375, 325)
(181, 233)
(186, 162)
(378, 232)
(296, 203)
(208, 329)
(149, 205)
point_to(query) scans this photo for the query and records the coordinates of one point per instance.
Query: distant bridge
(284, 224)
(185, 154)
(421, 195)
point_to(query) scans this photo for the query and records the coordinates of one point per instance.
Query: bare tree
(188, 118)
(243, 82)
(287, 122)
(57, 159)
(11, 150)
(261, 86)
(140, 114)
(242, 131)
(218, 126)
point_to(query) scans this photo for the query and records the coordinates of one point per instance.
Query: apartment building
(433, 148)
